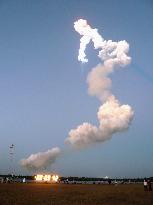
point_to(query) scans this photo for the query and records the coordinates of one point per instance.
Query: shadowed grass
(60, 194)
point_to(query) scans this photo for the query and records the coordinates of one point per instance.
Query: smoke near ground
(113, 117)
(41, 160)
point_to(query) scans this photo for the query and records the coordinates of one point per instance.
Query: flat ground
(60, 194)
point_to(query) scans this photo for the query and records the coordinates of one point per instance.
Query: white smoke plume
(112, 116)
(98, 82)
(41, 160)
(111, 52)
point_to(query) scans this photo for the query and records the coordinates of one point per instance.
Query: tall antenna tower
(11, 156)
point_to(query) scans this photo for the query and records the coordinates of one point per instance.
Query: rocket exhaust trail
(112, 116)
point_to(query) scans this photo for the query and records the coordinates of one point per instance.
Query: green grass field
(60, 194)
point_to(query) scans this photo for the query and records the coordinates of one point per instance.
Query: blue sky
(43, 90)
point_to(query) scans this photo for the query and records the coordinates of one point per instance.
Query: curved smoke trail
(112, 116)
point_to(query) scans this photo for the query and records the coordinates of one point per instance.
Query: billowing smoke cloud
(112, 116)
(111, 52)
(98, 82)
(41, 160)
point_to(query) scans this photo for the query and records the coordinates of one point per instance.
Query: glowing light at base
(55, 178)
(46, 178)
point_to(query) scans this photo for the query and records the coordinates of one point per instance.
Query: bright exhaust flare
(46, 178)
